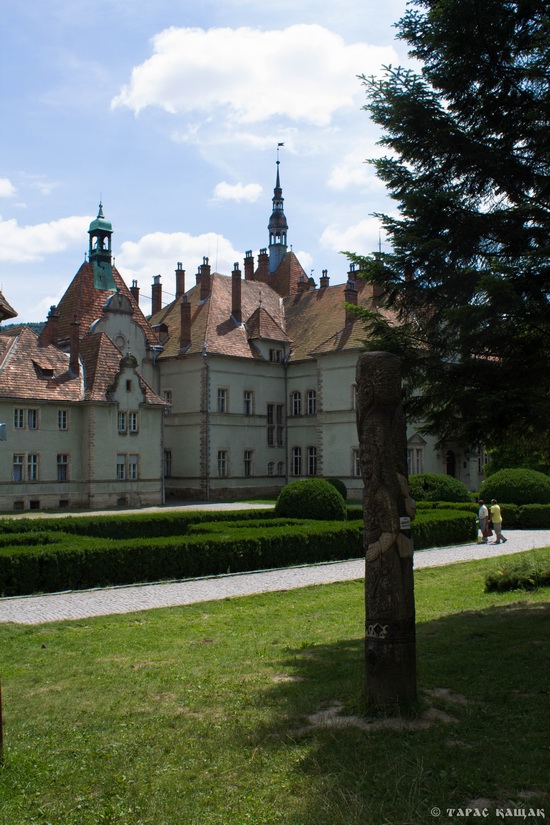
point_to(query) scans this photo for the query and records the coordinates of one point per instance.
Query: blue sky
(170, 112)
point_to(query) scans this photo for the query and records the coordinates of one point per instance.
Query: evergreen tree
(467, 282)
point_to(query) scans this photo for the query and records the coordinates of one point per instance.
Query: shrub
(340, 486)
(311, 498)
(528, 573)
(534, 517)
(517, 487)
(443, 528)
(436, 487)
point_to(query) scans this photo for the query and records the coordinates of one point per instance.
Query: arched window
(296, 461)
(311, 402)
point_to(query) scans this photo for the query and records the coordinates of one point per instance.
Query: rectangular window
(32, 467)
(280, 425)
(121, 467)
(133, 422)
(222, 400)
(276, 355)
(247, 458)
(222, 463)
(62, 420)
(62, 467)
(296, 461)
(248, 402)
(312, 461)
(275, 425)
(32, 419)
(122, 422)
(18, 468)
(415, 460)
(356, 461)
(167, 395)
(18, 419)
(133, 468)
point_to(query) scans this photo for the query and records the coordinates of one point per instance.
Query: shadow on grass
(494, 755)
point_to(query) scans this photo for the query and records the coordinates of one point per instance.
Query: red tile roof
(85, 302)
(286, 277)
(41, 373)
(30, 372)
(212, 323)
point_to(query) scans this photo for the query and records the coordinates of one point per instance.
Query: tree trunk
(390, 646)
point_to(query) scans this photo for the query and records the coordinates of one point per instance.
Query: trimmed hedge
(437, 487)
(443, 528)
(519, 486)
(139, 525)
(76, 562)
(63, 561)
(534, 516)
(312, 498)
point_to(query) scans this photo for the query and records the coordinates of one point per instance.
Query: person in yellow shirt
(496, 518)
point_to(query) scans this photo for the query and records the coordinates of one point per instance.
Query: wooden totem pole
(390, 646)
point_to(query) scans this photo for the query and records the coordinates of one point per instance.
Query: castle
(243, 382)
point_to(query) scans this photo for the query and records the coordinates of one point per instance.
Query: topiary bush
(436, 487)
(517, 486)
(340, 486)
(312, 498)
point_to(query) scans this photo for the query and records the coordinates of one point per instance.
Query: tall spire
(278, 225)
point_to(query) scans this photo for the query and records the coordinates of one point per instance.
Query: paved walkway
(83, 604)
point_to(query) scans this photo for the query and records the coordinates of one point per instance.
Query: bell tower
(278, 226)
(99, 253)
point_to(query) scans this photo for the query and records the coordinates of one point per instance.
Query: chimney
(75, 341)
(249, 266)
(50, 333)
(134, 289)
(303, 284)
(350, 294)
(185, 322)
(206, 279)
(156, 295)
(236, 310)
(352, 274)
(324, 279)
(180, 280)
(263, 265)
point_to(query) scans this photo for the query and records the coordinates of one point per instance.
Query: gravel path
(83, 604)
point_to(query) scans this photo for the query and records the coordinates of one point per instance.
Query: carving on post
(390, 648)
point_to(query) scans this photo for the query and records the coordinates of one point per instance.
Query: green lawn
(199, 714)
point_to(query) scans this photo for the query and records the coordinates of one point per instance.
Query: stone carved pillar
(390, 647)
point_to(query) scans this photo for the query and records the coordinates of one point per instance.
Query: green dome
(100, 223)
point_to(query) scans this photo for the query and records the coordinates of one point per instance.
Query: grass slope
(198, 715)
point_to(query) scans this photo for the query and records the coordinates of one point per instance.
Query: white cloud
(305, 73)
(159, 252)
(361, 238)
(7, 189)
(20, 244)
(238, 192)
